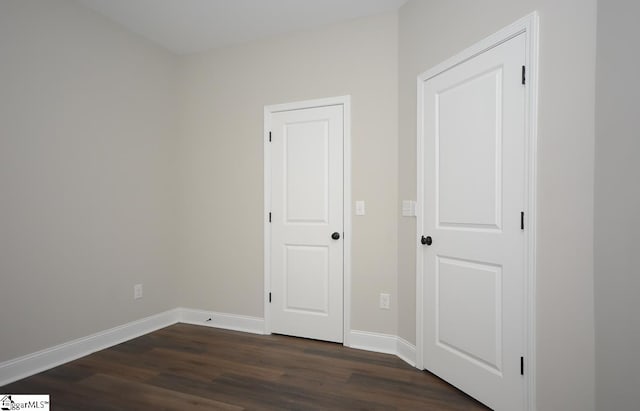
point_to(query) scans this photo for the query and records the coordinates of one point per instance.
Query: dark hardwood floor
(186, 367)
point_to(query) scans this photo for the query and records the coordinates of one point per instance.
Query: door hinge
(521, 365)
(522, 220)
(269, 216)
(269, 297)
(269, 136)
(524, 75)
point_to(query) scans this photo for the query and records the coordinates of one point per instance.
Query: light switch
(360, 207)
(408, 208)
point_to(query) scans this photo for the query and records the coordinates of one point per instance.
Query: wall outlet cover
(385, 301)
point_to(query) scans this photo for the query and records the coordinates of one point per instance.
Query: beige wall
(119, 167)
(224, 94)
(617, 207)
(432, 31)
(87, 130)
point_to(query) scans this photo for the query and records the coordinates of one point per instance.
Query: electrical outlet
(385, 301)
(137, 291)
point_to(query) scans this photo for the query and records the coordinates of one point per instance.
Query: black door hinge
(269, 216)
(522, 220)
(524, 75)
(521, 365)
(269, 297)
(269, 136)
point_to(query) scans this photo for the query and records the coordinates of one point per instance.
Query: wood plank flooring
(186, 367)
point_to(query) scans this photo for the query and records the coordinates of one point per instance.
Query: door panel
(307, 207)
(473, 297)
(306, 274)
(469, 303)
(306, 171)
(469, 183)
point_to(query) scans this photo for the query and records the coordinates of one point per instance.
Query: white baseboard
(406, 351)
(377, 342)
(254, 325)
(383, 343)
(30, 364)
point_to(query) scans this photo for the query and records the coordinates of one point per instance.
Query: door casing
(528, 25)
(345, 102)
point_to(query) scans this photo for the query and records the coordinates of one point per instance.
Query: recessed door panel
(306, 279)
(469, 144)
(307, 172)
(469, 306)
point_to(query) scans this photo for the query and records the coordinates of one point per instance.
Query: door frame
(529, 25)
(345, 102)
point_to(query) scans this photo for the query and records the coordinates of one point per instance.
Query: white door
(472, 240)
(307, 223)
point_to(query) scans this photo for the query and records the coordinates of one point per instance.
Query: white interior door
(473, 263)
(307, 223)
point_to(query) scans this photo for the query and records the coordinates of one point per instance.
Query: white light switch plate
(360, 207)
(408, 208)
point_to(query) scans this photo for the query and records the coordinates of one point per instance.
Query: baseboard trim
(406, 351)
(383, 343)
(30, 364)
(254, 325)
(377, 342)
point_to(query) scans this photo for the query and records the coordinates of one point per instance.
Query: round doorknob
(426, 240)
(335, 236)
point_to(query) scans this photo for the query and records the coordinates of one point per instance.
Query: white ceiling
(189, 26)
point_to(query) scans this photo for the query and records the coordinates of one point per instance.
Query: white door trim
(345, 102)
(530, 26)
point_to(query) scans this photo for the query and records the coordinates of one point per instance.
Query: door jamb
(345, 102)
(529, 25)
